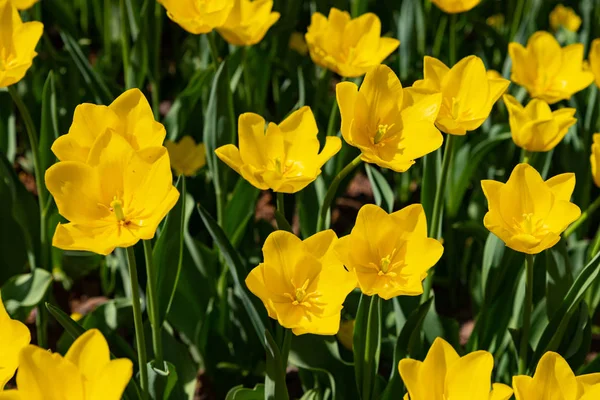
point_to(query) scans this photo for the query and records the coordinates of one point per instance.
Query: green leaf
(404, 347)
(383, 193)
(432, 165)
(559, 276)
(275, 387)
(183, 107)
(237, 270)
(367, 344)
(8, 129)
(24, 292)
(240, 210)
(49, 126)
(168, 254)
(555, 330)
(239, 393)
(94, 82)
(161, 381)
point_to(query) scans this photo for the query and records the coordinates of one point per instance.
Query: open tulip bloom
(349, 47)
(248, 22)
(527, 213)
(14, 337)
(564, 17)
(390, 125)
(302, 283)
(535, 127)
(445, 375)
(468, 93)
(390, 253)
(17, 43)
(198, 17)
(286, 158)
(554, 379)
(86, 372)
(187, 157)
(546, 70)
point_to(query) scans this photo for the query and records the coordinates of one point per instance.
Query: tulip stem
(42, 262)
(527, 156)
(155, 83)
(138, 322)
(125, 47)
(282, 222)
(285, 348)
(452, 56)
(517, 19)
(435, 229)
(152, 296)
(586, 214)
(332, 191)
(214, 51)
(526, 315)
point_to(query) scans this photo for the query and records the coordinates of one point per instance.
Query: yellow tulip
(349, 47)
(285, 159)
(298, 43)
(391, 126)
(301, 283)
(445, 375)
(129, 115)
(527, 213)
(14, 336)
(187, 157)
(198, 16)
(595, 159)
(86, 372)
(390, 253)
(546, 70)
(115, 199)
(248, 22)
(468, 93)
(554, 379)
(594, 59)
(535, 127)
(23, 4)
(456, 6)
(17, 44)
(565, 17)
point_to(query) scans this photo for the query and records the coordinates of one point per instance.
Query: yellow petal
(562, 186)
(433, 374)
(469, 377)
(411, 371)
(434, 71)
(111, 381)
(23, 4)
(230, 155)
(11, 395)
(501, 392)
(14, 336)
(100, 239)
(346, 93)
(332, 146)
(89, 353)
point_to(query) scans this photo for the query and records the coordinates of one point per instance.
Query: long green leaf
(275, 387)
(367, 345)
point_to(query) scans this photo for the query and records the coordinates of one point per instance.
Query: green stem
(373, 328)
(214, 51)
(439, 36)
(517, 19)
(138, 322)
(152, 296)
(332, 118)
(280, 203)
(452, 57)
(586, 214)
(41, 320)
(125, 47)
(332, 191)
(528, 308)
(435, 229)
(282, 222)
(285, 348)
(157, 47)
(527, 155)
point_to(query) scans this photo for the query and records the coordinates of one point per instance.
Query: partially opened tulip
(546, 70)
(390, 253)
(18, 40)
(116, 198)
(86, 372)
(527, 213)
(198, 16)
(129, 115)
(535, 127)
(594, 60)
(285, 159)
(595, 159)
(564, 17)
(392, 127)
(301, 283)
(456, 6)
(349, 47)
(445, 375)
(468, 93)
(554, 379)
(248, 22)
(14, 337)
(187, 157)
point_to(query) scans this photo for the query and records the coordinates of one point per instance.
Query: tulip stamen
(309, 300)
(532, 225)
(382, 131)
(116, 206)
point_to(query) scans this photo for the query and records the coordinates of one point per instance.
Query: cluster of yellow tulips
(113, 183)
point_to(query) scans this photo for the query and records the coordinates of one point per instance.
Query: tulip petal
(111, 381)
(501, 392)
(89, 353)
(562, 215)
(320, 243)
(98, 238)
(346, 93)
(522, 386)
(440, 358)
(411, 371)
(469, 377)
(434, 71)
(383, 91)
(411, 219)
(332, 146)
(12, 395)
(26, 39)
(230, 155)
(562, 186)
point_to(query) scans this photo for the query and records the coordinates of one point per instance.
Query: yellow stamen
(381, 131)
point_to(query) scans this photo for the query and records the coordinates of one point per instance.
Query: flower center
(116, 206)
(302, 297)
(382, 132)
(387, 266)
(532, 225)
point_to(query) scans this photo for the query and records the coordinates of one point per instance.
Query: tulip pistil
(382, 130)
(302, 297)
(116, 206)
(533, 225)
